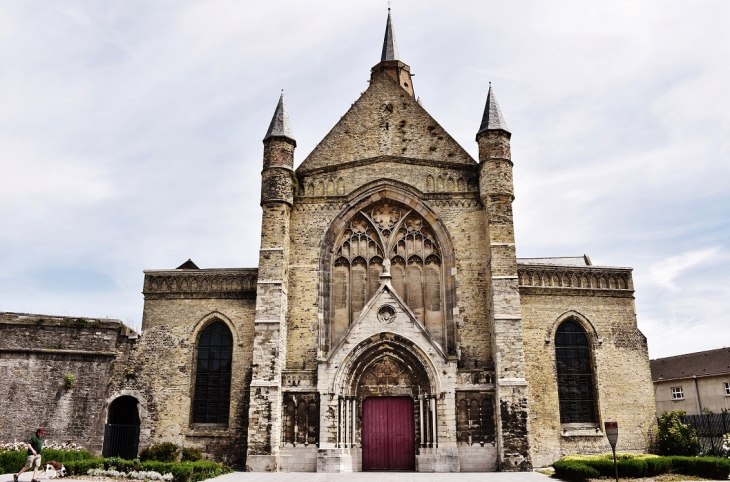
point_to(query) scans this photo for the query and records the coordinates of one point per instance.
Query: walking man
(34, 455)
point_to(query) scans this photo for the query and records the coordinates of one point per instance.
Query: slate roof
(492, 119)
(558, 261)
(700, 364)
(280, 126)
(390, 46)
(188, 265)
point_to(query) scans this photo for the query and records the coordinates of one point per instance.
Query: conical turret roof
(390, 46)
(492, 120)
(280, 126)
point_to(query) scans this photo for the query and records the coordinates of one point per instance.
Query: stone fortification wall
(160, 369)
(37, 352)
(602, 300)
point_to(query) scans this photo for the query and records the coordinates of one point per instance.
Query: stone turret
(269, 349)
(390, 61)
(497, 193)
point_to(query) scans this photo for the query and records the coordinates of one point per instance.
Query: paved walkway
(354, 477)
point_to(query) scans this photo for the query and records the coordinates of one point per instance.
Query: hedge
(11, 461)
(581, 470)
(80, 463)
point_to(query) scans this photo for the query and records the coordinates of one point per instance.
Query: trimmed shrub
(658, 466)
(81, 467)
(162, 452)
(12, 461)
(632, 468)
(574, 471)
(707, 467)
(603, 466)
(191, 454)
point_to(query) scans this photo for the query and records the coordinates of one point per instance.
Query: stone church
(389, 324)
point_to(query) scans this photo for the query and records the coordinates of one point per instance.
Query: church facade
(389, 324)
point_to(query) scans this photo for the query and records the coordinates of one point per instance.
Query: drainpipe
(697, 391)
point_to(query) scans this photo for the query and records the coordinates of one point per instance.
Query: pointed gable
(385, 122)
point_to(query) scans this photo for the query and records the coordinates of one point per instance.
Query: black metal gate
(121, 441)
(710, 428)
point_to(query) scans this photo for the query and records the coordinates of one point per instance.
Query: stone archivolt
(386, 231)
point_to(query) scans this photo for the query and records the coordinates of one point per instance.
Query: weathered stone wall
(621, 363)
(37, 352)
(159, 370)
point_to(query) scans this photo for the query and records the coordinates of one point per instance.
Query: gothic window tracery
(389, 231)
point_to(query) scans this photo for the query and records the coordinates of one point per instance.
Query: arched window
(388, 231)
(576, 384)
(213, 375)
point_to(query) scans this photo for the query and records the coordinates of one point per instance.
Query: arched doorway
(121, 432)
(388, 406)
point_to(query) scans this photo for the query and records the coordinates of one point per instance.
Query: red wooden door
(388, 435)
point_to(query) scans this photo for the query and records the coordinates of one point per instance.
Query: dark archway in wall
(121, 432)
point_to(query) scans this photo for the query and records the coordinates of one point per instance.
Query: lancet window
(387, 231)
(576, 385)
(213, 375)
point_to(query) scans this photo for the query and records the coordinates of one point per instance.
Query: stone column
(497, 194)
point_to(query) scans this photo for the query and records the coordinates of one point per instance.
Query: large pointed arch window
(389, 231)
(576, 381)
(213, 375)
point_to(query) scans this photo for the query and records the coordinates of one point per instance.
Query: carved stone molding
(296, 380)
(197, 284)
(475, 379)
(589, 280)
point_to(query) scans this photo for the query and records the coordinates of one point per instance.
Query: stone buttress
(269, 348)
(497, 193)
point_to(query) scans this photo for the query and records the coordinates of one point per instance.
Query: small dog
(54, 470)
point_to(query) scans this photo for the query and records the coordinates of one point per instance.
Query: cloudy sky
(130, 135)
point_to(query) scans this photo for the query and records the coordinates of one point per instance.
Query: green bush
(81, 467)
(632, 468)
(674, 437)
(707, 467)
(191, 454)
(658, 466)
(604, 466)
(579, 470)
(162, 452)
(574, 471)
(12, 461)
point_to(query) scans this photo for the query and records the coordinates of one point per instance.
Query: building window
(213, 375)
(677, 393)
(576, 385)
(727, 389)
(394, 237)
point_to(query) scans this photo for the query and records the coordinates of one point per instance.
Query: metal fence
(710, 428)
(121, 441)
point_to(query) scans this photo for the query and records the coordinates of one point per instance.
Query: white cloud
(130, 133)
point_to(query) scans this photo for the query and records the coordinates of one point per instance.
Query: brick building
(389, 324)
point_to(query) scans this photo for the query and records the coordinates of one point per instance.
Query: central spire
(390, 63)
(390, 46)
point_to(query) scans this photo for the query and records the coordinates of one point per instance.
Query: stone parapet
(584, 278)
(200, 283)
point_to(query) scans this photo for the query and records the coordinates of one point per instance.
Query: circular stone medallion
(386, 314)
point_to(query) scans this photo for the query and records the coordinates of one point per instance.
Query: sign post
(612, 435)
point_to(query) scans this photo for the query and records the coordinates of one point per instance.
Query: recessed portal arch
(387, 397)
